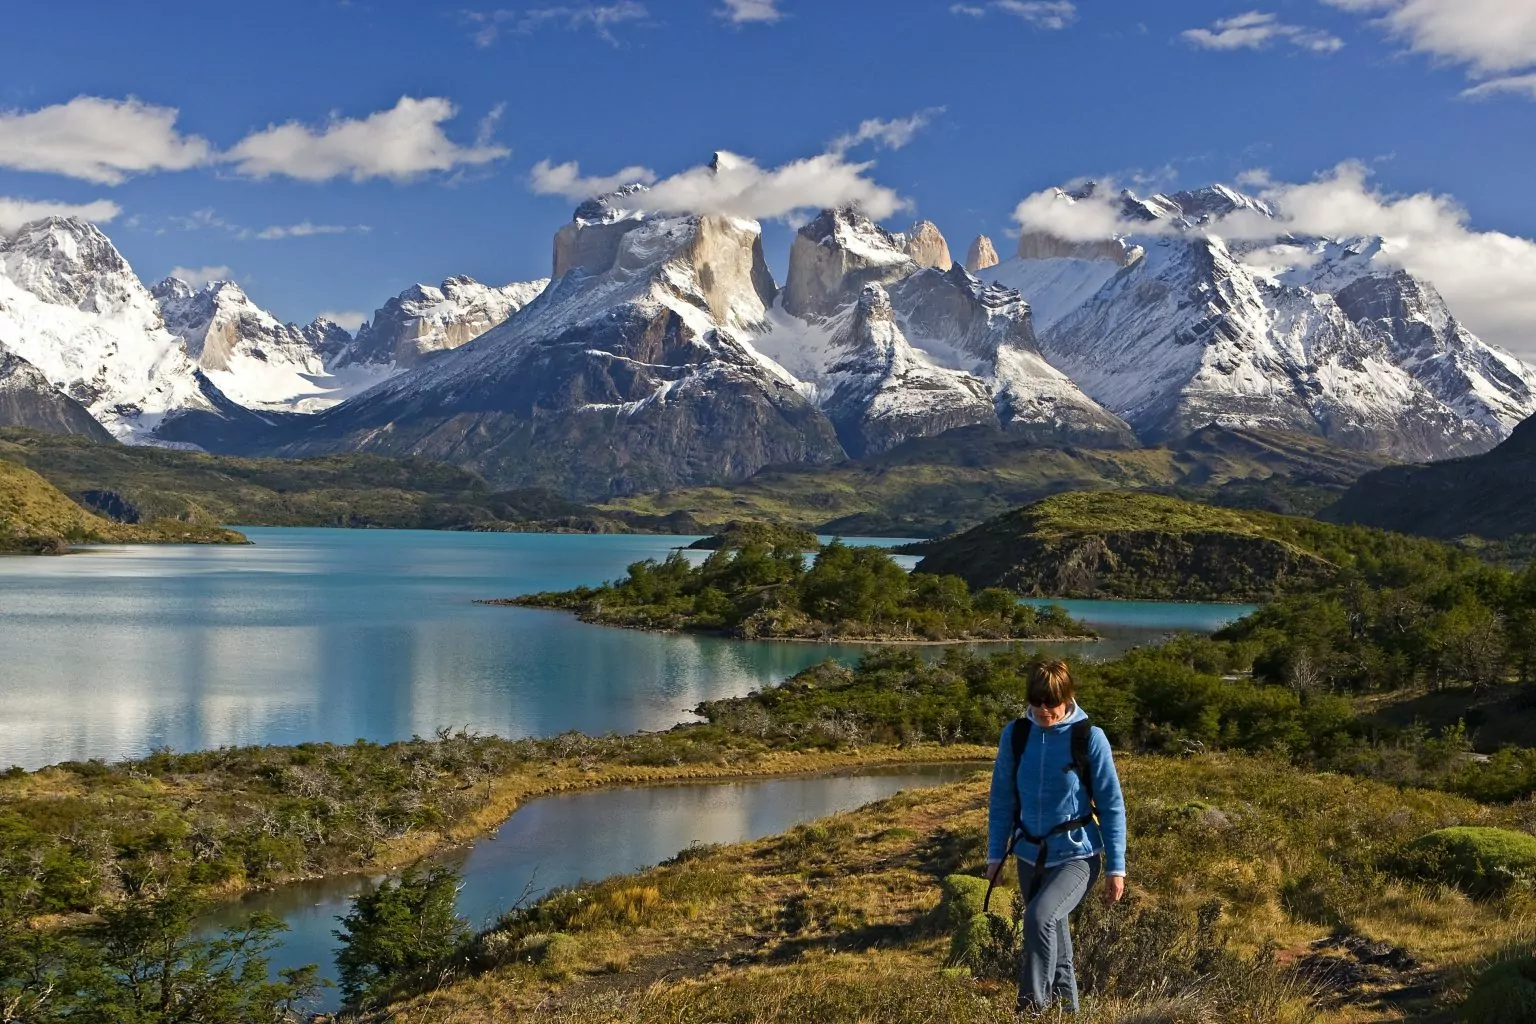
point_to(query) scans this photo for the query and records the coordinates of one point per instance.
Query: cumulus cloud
(199, 276)
(1047, 14)
(1489, 36)
(599, 18)
(1257, 30)
(551, 179)
(401, 143)
(736, 186)
(351, 319)
(746, 12)
(892, 134)
(98, 140)
(16, 212)
(1487, 277)
(304, 230)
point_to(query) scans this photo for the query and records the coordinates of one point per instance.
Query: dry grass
(833, 921)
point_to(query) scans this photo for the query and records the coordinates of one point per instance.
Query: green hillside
(1136, 545)
(36, 517)
(938, 485)
(131, 483)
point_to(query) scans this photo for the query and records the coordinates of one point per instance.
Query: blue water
(336, 635)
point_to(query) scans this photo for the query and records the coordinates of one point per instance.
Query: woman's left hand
(1114, 889)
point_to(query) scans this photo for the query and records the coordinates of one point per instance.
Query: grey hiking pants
(1046, 975)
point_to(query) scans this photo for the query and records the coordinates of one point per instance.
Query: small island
(757, 584)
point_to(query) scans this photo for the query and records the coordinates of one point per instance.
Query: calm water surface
(561, 840)
(312, 634)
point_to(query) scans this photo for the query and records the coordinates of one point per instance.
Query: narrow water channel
(567, 838)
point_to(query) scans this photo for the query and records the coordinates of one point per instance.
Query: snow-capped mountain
(634, 370)
(947, 322)
(882, 392)
(424, 320)
(72, 307)
(253, 358)
(1175, 329)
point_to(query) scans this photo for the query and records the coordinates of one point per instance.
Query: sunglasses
(1042, 705)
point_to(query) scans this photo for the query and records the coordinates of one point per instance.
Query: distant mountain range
(663, 353)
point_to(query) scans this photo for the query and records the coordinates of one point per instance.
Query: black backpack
(1082, 733)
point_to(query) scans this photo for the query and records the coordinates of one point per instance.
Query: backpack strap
(1022, 727)
(1082, 735)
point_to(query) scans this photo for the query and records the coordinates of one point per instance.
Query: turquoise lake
(312, 634)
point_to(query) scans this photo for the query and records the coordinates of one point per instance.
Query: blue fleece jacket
(1045, 792)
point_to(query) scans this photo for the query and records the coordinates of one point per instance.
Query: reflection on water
(334, 635)
(561, 840)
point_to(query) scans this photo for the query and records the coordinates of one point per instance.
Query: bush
(397, 933)
(1481, 861)
(1505, 994)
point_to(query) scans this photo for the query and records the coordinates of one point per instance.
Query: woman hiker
(1056, 803)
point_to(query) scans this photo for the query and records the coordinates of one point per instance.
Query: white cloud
(549, 179)
(351, 319)
(304, 230)
(1256, 30)
(1047, 14)
(401, 143)
(737, 187)
(1487, 277)
(16, 212)
(99, 140)
(744, 12)
(199, 276)
(600, 18)
(1517, 84)
(1491, 37)
(892, 134)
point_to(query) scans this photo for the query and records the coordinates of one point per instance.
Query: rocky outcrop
(1133, 546)
(29, 399)
(424, 320)
(590, 242)
(631, 372)
(981, 255)
(834, 256)
(883, 394)
(926, 245)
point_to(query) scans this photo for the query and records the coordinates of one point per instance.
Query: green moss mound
(1481, 861)
(1505, 994)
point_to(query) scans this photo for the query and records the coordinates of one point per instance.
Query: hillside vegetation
(756, 584)
(36, 517)
(937, 485)
(1150, 546)
(1252, 899)
(142, 483)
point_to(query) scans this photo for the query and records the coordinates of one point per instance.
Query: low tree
(401, 931)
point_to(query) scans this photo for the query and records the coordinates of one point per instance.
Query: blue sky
(1009, 97)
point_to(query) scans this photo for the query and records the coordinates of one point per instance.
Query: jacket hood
(1077, 714)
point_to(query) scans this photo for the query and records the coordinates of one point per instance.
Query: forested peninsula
(757, 584)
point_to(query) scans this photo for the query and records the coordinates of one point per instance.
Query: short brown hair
(1050, 683)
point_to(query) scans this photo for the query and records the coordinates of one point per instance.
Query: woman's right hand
(994, 868)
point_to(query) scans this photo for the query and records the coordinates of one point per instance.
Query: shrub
(1480, 861)
(1505, 994)
(398, 932)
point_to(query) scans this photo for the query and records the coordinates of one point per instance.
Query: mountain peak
(981, 255)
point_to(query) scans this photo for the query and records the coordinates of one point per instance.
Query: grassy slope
(343, 490)
(1129, 545)
(832, 920)
(36, 516)
(936, 485)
